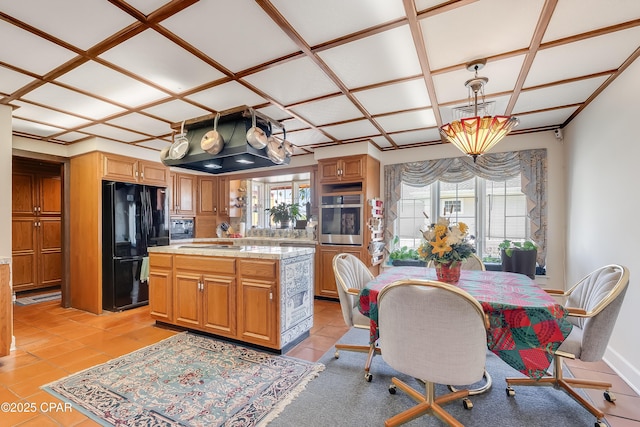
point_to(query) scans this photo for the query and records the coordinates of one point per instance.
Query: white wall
(555, 187)
(602, 152)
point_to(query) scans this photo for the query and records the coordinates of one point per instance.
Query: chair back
(600, 294)
(473, 262)
(432, 331)
(350, 272)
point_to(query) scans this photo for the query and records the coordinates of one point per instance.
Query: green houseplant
(283, 213)
(519, 257)
(404, 255)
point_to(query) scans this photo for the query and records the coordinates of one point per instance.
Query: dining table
(526, 325)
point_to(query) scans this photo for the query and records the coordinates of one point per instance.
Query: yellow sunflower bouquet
(445, 243)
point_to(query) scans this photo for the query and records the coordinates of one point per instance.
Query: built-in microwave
(341, 220)
(181, 228)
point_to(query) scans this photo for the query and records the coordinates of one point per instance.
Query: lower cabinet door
(187, 299)
(161, 294)
(258, 301)
(219, 305)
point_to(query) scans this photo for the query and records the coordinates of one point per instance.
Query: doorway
(39, 258)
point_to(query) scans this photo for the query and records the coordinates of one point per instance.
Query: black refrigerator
(134, 217)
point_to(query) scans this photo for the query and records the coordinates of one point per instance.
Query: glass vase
(448, 273)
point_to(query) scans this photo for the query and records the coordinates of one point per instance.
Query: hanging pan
(212, 142)
(275, 151)
(164, 154)
(180, 147)
(288, 147)
(256, 136)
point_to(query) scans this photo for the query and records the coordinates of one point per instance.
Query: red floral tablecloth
(526, 324)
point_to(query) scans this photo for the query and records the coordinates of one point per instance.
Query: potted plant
(447, 245)
(519, 257)
(404, 255)
(283, 213)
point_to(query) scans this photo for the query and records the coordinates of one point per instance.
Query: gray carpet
(341, 397)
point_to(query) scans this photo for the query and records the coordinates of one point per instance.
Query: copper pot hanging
(180, 146)
(275, 151)
(256, 137)
(212, 142)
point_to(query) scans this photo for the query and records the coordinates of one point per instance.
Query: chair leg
(558, 381)
(426, 403)
(371, 351)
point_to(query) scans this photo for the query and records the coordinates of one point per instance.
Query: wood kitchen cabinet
(36, 225)
(258, 302)
(223, 198)
(128, 169)
(207, 195)
(350, 168)
(359, 174)
(86, 174)
(161, 287)
(183, 194)
(326, 284)
(204, 294)
(206, 206)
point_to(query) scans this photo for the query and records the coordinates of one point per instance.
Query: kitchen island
(259, 295)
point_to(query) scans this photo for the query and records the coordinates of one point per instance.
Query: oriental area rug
(187, 380)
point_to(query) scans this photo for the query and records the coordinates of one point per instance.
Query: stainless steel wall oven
(341, 220)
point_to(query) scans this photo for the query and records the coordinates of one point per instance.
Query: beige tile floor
(54, 342)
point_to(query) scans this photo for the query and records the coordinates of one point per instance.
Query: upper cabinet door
(153, 173)
(119, 168)
(50, 196)
(352, 168)
(23, 194)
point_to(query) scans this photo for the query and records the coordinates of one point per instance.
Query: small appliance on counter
(223, 229)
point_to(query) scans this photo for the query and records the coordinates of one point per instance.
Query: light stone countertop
(239, 251)
(246, 240)
(4, 260)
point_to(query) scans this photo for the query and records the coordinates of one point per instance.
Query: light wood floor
(53, 342)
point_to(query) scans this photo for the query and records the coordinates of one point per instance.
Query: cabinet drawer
(205, 263)
(161, 260)
(260, 269)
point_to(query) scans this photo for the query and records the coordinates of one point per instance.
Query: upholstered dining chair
(412, 316)
(473, 262)
(351, 276)
(593, 305)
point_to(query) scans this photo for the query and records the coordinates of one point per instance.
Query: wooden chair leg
(371, 351)
(427, 402)
(567, 384)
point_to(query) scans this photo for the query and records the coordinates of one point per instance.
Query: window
(298, 192)
(505, 209)
(453, 206)
(493, 210)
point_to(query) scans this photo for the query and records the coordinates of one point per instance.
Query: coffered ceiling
(332, 71)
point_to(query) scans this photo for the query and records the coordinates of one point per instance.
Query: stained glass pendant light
(475, 135)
